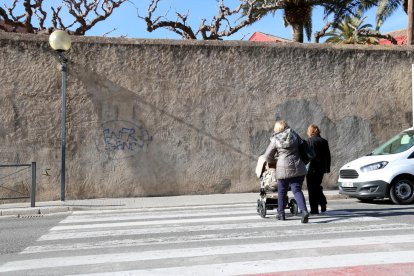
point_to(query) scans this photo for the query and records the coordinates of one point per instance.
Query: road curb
(34, 211)
(140, 203)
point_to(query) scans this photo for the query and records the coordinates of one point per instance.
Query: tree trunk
(297, 33)
(410, 23)
(297, 16)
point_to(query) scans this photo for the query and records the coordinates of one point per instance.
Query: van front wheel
(402, 191)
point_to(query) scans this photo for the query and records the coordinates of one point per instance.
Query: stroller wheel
(293, 207)
(262, 209)
(258, 206)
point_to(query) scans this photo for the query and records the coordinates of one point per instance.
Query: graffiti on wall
(123, 139)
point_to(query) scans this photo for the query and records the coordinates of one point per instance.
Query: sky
(125, 21)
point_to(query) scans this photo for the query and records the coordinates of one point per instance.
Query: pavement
(23, 209)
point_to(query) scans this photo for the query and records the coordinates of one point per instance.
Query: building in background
(399, 35)
(258, 36)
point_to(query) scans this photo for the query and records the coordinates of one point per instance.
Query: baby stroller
(268, 189)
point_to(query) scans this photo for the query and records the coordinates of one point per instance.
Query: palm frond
(308, 26)
(385, 9)
(351, 30)
(342, 8)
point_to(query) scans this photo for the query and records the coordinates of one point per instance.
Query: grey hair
(280, 126)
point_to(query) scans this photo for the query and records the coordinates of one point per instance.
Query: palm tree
(351, 31)
(298, 13)
(386, 8)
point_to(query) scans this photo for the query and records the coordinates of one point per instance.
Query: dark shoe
(305, 216)
(280, 217)
(323, 208)
(314, 213)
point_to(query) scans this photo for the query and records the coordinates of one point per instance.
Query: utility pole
(410, 12)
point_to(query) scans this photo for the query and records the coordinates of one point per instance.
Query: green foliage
(386, 8)
(350, 31)
(298, 13)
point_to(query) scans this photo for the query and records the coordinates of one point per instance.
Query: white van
(387, 172)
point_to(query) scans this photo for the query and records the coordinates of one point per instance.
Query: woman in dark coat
(318, 166)
(290, 170)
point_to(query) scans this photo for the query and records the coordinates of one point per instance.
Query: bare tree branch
(322, 32)
(375, 34)
(56, 20)
(9, 22)
(178, 27)
(249, 11)
(86, 14)
(42, 16)
(106, 34)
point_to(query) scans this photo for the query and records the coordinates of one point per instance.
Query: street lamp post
(60, 42)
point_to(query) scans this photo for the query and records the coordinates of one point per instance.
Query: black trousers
(315, 191)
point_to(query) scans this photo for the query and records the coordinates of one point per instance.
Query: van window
(399, 143)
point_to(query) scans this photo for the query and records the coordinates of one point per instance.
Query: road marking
(155, 222)
(182, 239)
(293, 231)
(272, 266)
(146, 216)
(169, 209)
(164, 219)
(209, 251)
(102, 217)
(203, 224)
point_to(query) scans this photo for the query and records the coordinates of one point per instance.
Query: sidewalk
(50, 207)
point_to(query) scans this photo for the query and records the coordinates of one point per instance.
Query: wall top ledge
(213, 43)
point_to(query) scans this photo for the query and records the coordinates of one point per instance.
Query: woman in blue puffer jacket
(290, 169)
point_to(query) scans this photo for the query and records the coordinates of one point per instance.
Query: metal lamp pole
(60, 41)
(64, 69)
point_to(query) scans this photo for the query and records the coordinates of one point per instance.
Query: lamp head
(60, 41)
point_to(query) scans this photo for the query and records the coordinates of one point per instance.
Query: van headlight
(374, 166)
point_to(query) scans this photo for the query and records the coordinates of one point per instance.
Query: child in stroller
(268, 189)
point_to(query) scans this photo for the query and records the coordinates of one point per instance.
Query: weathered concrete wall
(191, 117)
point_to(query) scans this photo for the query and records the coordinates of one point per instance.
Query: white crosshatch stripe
(203, 251)
(182, 239)
(154, 222)
(135, 215)
(143, 216)
(157, 209)
(167, 219)
(177, 226)
(65, 235)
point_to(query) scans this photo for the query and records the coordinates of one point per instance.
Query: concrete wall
(157, 117)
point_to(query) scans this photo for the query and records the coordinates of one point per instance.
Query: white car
(387, 172)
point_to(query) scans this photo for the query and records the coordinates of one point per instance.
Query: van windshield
(396, 144)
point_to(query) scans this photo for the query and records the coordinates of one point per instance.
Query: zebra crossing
(221, 239)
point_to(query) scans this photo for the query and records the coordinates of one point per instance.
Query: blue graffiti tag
(122, 139)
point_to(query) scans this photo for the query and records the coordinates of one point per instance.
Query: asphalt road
(18, 233)
(209, 240)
